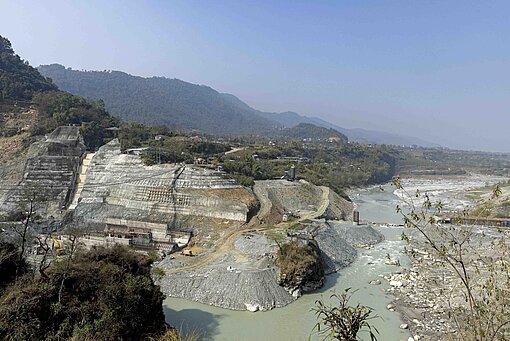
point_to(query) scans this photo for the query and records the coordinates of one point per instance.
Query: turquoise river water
(296, 321)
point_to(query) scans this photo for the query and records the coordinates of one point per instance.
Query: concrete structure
(81, 179)
(140, 235)
(355, 217)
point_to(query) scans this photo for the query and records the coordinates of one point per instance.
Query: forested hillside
(159, 100)
(18, 80)
(173, 102)
(24, 90)
(311, 131)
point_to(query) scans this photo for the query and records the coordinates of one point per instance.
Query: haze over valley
(396, 68)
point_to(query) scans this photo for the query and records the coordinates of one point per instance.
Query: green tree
(102, 294)
(18, 80)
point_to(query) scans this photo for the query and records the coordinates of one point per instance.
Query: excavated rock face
(49, 174)
(120, 185)
(338, 208)
(300, 198)
(300, 267)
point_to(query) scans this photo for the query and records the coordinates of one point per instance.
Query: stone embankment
(229, 284)
(121, 186)
(336, 252)
(49, 174)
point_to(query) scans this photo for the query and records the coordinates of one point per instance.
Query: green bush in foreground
(102, 294)
(342, 321)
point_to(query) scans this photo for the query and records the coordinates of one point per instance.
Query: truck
(187, 252)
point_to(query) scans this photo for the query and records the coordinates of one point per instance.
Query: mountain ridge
(178, 103)
(159, 100)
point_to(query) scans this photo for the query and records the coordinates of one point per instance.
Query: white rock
(392, 262)
(252, 307)
(404, 326)
(396, 284)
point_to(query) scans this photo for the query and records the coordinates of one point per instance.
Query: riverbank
(237, 270)
(427, 292)
(296, 321)
(244, 278)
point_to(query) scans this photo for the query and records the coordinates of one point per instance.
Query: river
(296, 321)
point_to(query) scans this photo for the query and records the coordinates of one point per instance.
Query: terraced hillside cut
(49, 174)
(120, 186)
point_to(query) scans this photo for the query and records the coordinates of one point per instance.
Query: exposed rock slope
(120, 185)
(225, 284)
(301, 198)
(49, 174)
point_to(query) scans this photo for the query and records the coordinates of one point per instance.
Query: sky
(438, 70)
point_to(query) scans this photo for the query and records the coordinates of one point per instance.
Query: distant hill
(359, 135)
(290, 119)
(18, 80)
(308, 130)
(173, 102)
(159, 100)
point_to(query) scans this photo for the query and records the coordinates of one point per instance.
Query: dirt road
(226, 243)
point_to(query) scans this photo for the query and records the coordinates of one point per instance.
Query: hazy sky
(439, 70)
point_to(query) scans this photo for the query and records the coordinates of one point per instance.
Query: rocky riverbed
(419, 297)
(428, 293)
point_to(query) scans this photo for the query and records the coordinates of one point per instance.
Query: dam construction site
(218, 242)
(183, 172)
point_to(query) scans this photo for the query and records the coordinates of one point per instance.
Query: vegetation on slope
(173, 102)
(57, 108)
(159, 100)
(300, 266)
(18, 80)
(337, 166)
(21, 82)
(311, 131)
(11, 264)
(102, 294)
(442, 161)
